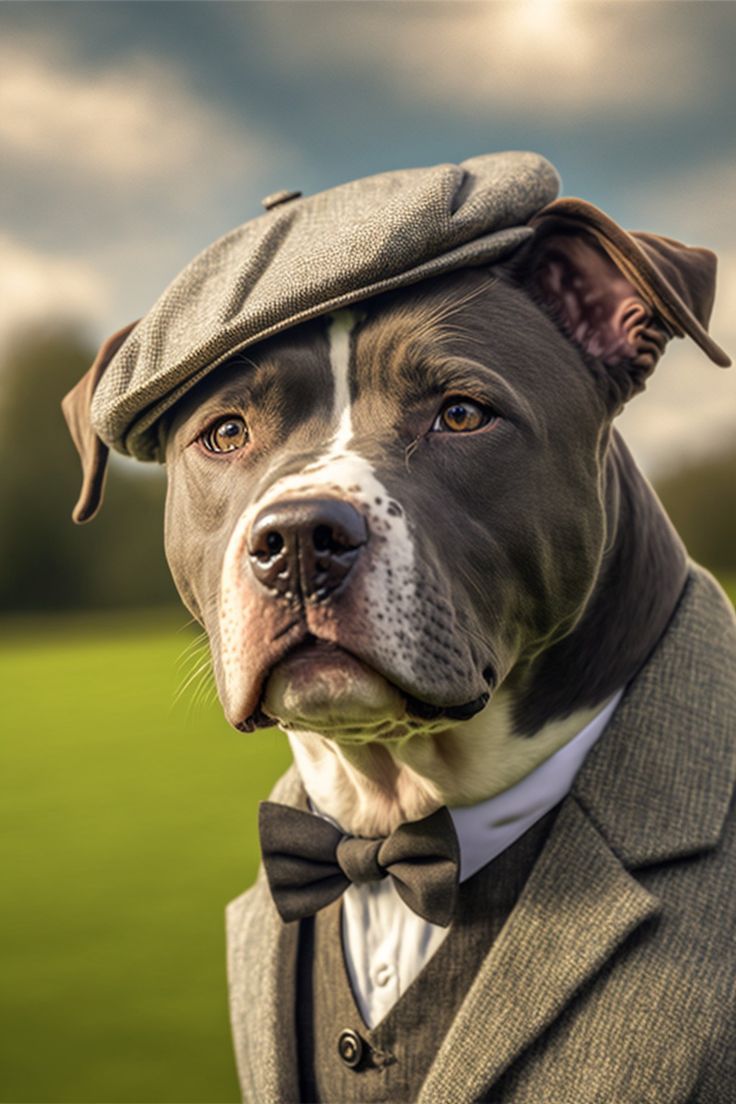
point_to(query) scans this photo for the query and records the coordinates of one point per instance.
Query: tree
(701, 501)
(46, 562)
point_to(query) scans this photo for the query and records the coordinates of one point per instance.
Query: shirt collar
(488, 828)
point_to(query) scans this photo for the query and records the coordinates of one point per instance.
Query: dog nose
(306, 546)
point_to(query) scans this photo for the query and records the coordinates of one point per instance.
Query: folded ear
(619, 296)
(93, 453)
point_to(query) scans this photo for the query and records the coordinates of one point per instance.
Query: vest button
(350, 1048)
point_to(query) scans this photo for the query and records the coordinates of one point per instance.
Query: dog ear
(619, 296)
(93, 453)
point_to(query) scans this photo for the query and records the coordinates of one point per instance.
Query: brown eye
(462, 416)
(226, 435)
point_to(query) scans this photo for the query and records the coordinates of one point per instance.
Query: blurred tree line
(48, 563)
(701, 501)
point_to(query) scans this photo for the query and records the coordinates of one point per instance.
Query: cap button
(277, 198)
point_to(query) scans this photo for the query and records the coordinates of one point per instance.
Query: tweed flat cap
(307, 256)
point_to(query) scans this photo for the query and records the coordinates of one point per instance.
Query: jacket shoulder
(711, 607)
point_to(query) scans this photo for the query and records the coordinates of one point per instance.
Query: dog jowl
(411, 533)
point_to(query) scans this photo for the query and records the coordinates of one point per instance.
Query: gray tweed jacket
(614, 978)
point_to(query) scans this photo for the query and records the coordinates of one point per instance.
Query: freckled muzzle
(327, 620)
(301, 550)
(304, 548)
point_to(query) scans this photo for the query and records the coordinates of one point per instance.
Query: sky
(134, 134)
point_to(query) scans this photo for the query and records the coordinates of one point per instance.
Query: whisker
(199, 671)
(185, 626)
(193, 648)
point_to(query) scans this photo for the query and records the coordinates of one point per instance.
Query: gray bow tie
(309, 862)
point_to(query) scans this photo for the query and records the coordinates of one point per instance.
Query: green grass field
(127, 824)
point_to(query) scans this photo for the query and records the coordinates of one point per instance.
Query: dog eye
(225, 435)
(462, 416)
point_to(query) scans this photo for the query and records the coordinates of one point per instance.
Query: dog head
(384, 515)
(366, 512)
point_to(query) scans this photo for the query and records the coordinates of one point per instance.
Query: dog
(418, 544)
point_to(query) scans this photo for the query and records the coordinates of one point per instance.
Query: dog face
(401, 524)
(379, 515)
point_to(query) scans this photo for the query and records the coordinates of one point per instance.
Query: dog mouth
(320, 686)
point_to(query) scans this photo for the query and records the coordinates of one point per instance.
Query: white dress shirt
(386, 944)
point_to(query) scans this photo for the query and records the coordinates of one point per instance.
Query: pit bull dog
(502, 866)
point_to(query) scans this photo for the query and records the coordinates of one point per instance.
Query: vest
(340, 1058)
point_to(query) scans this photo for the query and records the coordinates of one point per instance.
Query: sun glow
(545, 27)
(539, 15)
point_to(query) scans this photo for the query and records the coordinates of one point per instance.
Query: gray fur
(543, 557)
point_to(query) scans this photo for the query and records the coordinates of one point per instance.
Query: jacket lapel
(577, 907)
(656, 787)
(659, 782)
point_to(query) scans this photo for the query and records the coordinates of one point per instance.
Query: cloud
(547, 59)
(695, 205)
(37, 287)
(131, 125)
(114, 176)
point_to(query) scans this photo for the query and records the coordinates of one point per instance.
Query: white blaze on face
(341, 327)
(388, 591)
